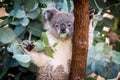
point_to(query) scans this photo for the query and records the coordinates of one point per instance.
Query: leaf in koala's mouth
(62, 35)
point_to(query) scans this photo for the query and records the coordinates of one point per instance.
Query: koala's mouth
(63, 35)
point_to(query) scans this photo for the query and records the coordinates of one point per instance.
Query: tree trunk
(80, 40)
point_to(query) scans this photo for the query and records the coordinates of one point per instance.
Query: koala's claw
(28, 45)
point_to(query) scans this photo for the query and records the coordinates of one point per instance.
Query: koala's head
(59, 24)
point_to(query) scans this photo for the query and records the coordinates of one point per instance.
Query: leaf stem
(30, 36)
(97, 5)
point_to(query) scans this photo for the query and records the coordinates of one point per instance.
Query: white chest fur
(63, 52)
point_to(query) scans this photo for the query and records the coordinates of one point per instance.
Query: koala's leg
(39, 59)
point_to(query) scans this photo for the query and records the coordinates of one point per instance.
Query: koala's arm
(39, 59)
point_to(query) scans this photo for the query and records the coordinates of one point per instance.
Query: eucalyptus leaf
(44, 37)
(5, 22)
(25, 64)
(99, 55)
(19, 14)
(6, 35)
(39, 45)
(99, 46)
(22, 58)
(29, 4)
(24, 21)
(93, 66)
(88, 70)
(68, 4)
(2, 73)
(49, 51)
(62, 35)
(107, 70)
(43, 1)
(15, 49)
(107, 48)
(55, 44)
(15, 22)
(19, 30)
(17, 4)
(9, 62)
(116, 57)
(35, 28)
(33, 14)
(35, 6)
(91, 55)
(17, 77)
(115, 25)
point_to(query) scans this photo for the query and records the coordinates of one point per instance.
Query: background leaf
(29, 4)
(35, 28)
(6, 35)
(23, 59)
(33, 14)
(18, 13)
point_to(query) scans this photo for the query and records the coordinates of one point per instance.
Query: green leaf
(115, 25)
(35, 28)
(6, 21)
(107, 48)
(15, 49)
(19, 30)
(6, 35)
(33, 68)
(99, 56)
(23, 60)
(44, 37)
(69, 5)
(17, 4)
(116, 57)
(62, 35)
(49, 51)
(90, 78)
(24, 21)
(15, 22)
(9, 62)
(91, 55)
(39, 45)
(17, 77)
(99, 46)
(88, 70)
(107, 70)
(19, 14)
(2, 73)
(43, 1)
(55, 44)
(25, 64)
(33, 14)
(29, 4)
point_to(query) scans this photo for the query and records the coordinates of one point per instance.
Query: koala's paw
(28, 45)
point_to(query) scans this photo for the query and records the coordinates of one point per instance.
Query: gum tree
(80, 40)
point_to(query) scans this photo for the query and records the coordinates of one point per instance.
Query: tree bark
(80, 40)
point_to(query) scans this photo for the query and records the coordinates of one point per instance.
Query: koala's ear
(49, 14)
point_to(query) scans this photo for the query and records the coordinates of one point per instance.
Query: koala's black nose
(62, 27)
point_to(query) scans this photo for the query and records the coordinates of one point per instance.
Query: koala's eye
(69, 24)
(56, 25)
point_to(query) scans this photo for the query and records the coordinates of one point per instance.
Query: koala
(58, 67)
